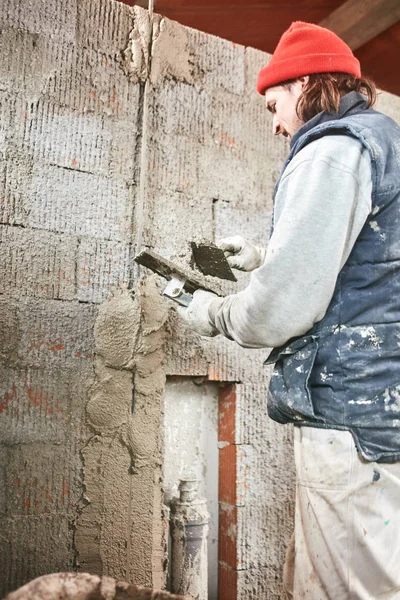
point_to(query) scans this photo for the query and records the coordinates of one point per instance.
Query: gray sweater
(323, 200)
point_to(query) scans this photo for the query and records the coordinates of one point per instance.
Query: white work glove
(241, 254)
(196, 314)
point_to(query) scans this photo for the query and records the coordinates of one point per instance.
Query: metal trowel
(209, 259)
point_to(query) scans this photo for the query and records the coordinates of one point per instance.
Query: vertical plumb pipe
(189, 530)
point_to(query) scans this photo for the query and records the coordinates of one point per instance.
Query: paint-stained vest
(345, 372)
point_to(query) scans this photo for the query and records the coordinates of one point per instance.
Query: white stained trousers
(347, 531)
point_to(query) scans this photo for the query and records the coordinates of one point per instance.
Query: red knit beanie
(306, 48)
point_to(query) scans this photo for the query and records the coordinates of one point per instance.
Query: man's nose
(276, 128)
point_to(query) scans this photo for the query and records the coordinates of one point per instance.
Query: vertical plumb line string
(144, 145)
(139, 240)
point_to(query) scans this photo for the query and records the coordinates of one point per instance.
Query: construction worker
(325, 294)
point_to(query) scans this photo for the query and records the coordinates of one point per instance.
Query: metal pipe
(189, 531)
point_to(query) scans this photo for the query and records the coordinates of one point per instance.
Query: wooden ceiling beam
(359, 21)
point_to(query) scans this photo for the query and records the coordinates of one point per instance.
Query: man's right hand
(241, 254)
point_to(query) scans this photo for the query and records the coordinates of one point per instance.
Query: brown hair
(324, 90)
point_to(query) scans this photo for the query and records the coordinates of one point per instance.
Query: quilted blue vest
(345, 372)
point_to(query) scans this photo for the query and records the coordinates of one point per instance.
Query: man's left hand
(196, 314)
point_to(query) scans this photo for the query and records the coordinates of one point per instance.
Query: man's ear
(304, 80)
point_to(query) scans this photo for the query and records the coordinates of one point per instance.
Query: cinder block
(253, 426)
(266, 470)
(43, 479)
(217, 63)
(217, 358)
(252, 423)
(48, 17)
(92, 82)
(56, 334)
(254, 523)
(104, 25)
(101, 267)
(185, 356)
(179, 164)
(267, 511)
(229, 124)
(231, 363)
(227, 177)
(181, 109)
(86, 143)
(224, 360)
(224, 176)
(176, 221)
(12, 114)
(67, 75)
(81, 204)
(39, 405)
(15, 177)
(32, 546)
(244, 126)
(272, 527)
(28, 62)
(91, 143)
(266, 582)
(37, 263)
(173, 165)
(12, 110)
(255, 60)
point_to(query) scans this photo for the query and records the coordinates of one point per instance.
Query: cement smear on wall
(122, 457)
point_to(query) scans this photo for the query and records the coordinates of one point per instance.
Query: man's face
(281, 102)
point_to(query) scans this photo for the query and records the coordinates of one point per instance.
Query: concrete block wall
(118, 133)
(69, 118)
